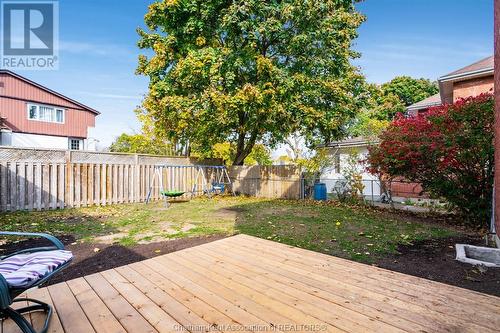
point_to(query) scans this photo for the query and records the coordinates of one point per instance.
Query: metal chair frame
(8, 294)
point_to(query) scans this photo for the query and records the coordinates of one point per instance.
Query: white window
(75, 144)
(46, 113)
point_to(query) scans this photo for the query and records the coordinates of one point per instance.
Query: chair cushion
(24, 270)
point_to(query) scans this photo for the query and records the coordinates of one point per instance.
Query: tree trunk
(239, 159)
(242, 149)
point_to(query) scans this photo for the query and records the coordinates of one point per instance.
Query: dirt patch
(87, 261)
(429, 218)
(110, 239)
(227, 213)
(435, 260)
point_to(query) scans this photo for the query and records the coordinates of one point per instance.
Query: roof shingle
(425, 103)
(483, 64)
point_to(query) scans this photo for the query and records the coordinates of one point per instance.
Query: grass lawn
(358, 233)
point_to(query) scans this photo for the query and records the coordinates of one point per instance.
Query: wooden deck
(248, 284)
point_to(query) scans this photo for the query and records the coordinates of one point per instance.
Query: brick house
(32, 115)
(471, 80)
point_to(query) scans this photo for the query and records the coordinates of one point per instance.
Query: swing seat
(172, 194)
(218, 187)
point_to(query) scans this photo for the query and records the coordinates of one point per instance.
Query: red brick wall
(473, 87)
(407, 190)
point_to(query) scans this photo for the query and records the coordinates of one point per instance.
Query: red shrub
(449, 150)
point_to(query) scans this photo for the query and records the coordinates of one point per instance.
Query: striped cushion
(23, 270)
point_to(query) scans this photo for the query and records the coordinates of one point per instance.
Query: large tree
(380, 109)
(410, 90)
(385, 101)
(250, 71)
(142, 144)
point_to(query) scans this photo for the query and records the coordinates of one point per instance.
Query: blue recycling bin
(320, 191)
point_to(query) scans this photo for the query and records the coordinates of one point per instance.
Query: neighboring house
(32, 115)
(354, 149)
(471, 80)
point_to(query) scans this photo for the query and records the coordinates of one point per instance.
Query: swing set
(213, 180)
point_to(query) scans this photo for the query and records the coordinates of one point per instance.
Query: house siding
(38, 141)
(15, 94)
(473, 87)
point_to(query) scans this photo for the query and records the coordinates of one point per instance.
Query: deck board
(362, 283)
(37, 318)
(248, 284)
(126, 314)
(96, 311)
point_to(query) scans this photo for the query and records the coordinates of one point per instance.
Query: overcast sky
(98, 53)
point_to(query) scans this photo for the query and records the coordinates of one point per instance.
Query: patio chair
(25, 269)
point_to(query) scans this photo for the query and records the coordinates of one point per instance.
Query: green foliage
(250, 71)
(260, 155)
(225, 151)
(368, 125)
(386, 101)
(449, 150)
(376, 115)
(142, 144)
(317, 163)
(410, 90)
(352, 189)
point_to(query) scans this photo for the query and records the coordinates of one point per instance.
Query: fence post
(371, 182)
(3, 185)
(136, 184)
(69, 179)
(301, 186)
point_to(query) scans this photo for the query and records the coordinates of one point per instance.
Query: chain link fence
(373, 190)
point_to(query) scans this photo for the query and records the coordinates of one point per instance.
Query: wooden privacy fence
(37, 186)
(280, 181)
(32, 185)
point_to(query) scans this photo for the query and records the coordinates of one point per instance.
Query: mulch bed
(431, 259)
(87, 260)
(435, 260)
